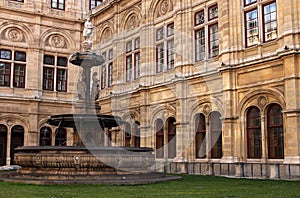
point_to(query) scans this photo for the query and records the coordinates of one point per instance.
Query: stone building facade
(212, 86)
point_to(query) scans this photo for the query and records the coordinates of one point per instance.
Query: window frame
(165, 48)
(58, 3)
(200, 130)
(257, 151)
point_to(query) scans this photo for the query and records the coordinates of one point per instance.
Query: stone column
(292, 111)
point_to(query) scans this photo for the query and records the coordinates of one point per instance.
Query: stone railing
(239, 170)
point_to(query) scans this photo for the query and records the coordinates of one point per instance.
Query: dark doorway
(17, 139)
(3, 144)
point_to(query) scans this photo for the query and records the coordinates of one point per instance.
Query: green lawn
(189, 186)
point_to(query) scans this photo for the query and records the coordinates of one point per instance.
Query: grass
(189, 186)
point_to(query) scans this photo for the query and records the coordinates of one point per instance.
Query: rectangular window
(5, 54)
(110, 74)
(263, 16)
(170, 52)
(128, 68)
(19, 76)
(20, 56)
(48, 59)
(61, 80)
(213, 12)
(137, 65)
(160, 57)
(159, 34)
(251, 28)
(103, 77)
(270, 22)
(5, 70)
(213, 41)
(165, 48)
(133, 59)
(58, 4)
(248, 2)
(95, 3)
(200, 44)
(62, 61)
(199, 18)
(48, 78)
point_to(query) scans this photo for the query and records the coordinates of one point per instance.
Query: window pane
(128, 68)
(270, 22)
(20, 56)
(19, 76)
(160, 34)
(216, 135)
(170, 29)
(200, 44)
(61, 80)
(199, 18)
(170, 52)
(160, 57)
(62, 61)
(254, 142)
(275, 132)
(137, 43)
(251, 28)
(5, 54)
(48, 77)
(4, 74)
(213, 40)
(200, 128)
(48, 59)
(247, 2)
(137, 66)
(213, 12)
(129, 46)
(110, 74)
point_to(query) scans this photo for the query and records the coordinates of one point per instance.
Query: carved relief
(57, 41)
(164, 7)
(132, 22)
(14, 34)
(107, 33)
(262, 101)
(206, 109)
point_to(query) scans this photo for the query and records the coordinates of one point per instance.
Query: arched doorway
(17, 139)
(171, 138)
(3, 144)
(159, 129)
(45, 136)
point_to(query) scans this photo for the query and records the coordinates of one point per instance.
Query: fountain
(88, 160)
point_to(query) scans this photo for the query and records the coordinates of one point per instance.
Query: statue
(81, 86)
(95, 87)
(88, 30)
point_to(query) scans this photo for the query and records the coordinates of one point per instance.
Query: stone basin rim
(82, 148)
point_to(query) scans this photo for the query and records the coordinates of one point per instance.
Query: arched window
(127, 135)
(159, 129)
(137, 134)
(254, 144)
(45, 136)
(17, 139)
(216, 135)
(200, 136)
(3, 144)
(275, 132)
(171, 138)
(60, 137)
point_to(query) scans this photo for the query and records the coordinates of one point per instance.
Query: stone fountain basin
(82, 160)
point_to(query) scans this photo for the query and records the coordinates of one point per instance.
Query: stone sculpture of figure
(95, 87)
(81, 86)
(88, 30)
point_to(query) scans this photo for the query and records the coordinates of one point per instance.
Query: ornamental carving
(262, 101)
(206, 109)
(14, 35)
(57, 41)
(164, 7)
(132, 23)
